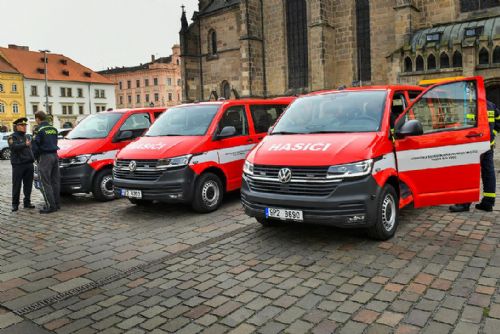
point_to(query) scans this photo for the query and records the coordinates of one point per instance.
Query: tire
(140, 202)
(6, 154)
(103, 189)
(387, 219)
(208, 193)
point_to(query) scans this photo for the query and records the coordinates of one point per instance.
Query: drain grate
(115, 277)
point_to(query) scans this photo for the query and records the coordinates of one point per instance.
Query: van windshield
(345, 111)
(184, 121)
(95, 126)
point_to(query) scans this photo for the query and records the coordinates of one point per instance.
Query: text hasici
(300, 147)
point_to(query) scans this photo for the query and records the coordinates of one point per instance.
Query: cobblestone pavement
(116, 268)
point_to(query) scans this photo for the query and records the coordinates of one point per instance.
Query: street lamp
(47, 109)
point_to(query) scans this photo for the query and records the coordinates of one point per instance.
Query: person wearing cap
(22, 160)
(45, 150)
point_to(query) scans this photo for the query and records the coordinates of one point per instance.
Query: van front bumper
(76, 179)
(172, 186)
(352, 204)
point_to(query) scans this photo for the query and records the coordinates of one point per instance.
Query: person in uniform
(487, 166)
(22, 160)
(45, 150)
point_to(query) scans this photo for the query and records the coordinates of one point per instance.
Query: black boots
(484, 207)
(459, 208)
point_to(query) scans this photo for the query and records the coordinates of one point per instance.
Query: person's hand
(28, 142)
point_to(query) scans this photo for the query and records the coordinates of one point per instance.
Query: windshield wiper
(78, 138)
(287, 133)
(323, 131)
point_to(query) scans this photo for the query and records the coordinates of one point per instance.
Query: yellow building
(11, 95)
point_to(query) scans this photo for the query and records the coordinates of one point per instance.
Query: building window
(496, 55)
(129, 99)
(129, 84)
(147, 97)
(431, 62)
(14, 88)
(49, 89)
(66, 92)
(138, 83)
(433, 38)
(444, 60)
(1, 87)
(157, 97)
(49, 109)
(472, 5)
(67, 109)
(146, 82)
(363, 40)
(15, 108)
(99, 108)
(80, 92)
(120, 85)
(419, 63)
(170, 96)
(178, 82)
(155, 81)
(34, 107)
(296, 25)
(34, 91)
(99, 94)
(80, 109)
(121, 99)
(408, 65)
(457, 59)
(169, 81)
(484, 57)
(138, 99)
(225, 90)
(212, 42)
(2, 108)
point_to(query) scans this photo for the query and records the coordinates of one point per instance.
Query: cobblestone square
(116, 268)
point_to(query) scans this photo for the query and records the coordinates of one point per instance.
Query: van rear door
(442, 165)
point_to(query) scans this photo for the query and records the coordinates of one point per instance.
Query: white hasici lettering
(300, 147)
(141, 146)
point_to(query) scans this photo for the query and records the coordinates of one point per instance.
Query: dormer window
(64, 61)
(472, 5)
(44, 60)
(433, 38)
(65, 72)
(88, 75)
(40, 70)
(473, 32)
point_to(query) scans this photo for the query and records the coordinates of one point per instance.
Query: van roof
(368, 88)
(133, 110)
(284, 99)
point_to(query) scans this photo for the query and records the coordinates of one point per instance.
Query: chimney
(18, 47)
(152, 58)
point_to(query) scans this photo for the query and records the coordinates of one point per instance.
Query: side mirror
(124, 135)
(410, 128)
(227, 131)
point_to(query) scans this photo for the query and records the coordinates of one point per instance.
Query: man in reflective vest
(487, 167)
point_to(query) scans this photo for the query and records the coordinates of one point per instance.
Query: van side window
(158, 114)
(235, 116)
(264, 116)
(447, 107)
(413, 95)
(137, 123)
(398, 106)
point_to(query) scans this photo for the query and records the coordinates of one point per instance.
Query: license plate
(131, 193)
(284, 214)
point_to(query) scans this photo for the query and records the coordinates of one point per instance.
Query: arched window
(419, 63)
(212, 42)
(296, 27)
(1, 87)
(484, 57)
(408, 65)
(15, 108)
(431, 62)
(2, 108)
(457, 59)
(496, 55)
(225, 90)
(444, 60)
(363, 39)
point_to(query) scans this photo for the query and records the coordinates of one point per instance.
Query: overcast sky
(95, 33)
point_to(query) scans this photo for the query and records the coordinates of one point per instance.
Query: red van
(195, 152)
(86, 155)
(353, 158)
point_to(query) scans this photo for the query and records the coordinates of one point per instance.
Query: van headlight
(355, 169)
(78, 160)
(174, 162)
(248, 168)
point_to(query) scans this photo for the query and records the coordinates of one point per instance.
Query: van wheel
(140, 202)
(208, 193)
(387, 219)
(6, 154)
(103, 189)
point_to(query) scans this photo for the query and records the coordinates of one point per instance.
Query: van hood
(147, 148)
(69, 148)
(315, 149)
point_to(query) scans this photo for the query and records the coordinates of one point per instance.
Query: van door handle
(474, 135)
(250, 140)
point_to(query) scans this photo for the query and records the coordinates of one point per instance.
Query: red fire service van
(353, 158)
(86, 155)
(195, 152)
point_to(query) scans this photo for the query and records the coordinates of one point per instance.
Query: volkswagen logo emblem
(284, 175)
(132, 165)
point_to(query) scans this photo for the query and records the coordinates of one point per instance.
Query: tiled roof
(6, 68)
(59, 67)
(116, 70)
(216, 5)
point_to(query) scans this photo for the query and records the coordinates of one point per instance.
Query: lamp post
(46, 82)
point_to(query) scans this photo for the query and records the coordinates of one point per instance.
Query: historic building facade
(11, 95)
(74, 90)
(274, 47)
(156, 84)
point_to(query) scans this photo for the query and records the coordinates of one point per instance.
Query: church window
(431, 62)
(484, 57)
(225, 90)
(496, 55)
(212, 42)
(296, 23)
(363, 39)
(419, 63)
(457, 59)
(472, 5)
(444, 60)
(408, 64)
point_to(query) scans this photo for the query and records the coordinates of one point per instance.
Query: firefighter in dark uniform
(22, 160)
(487, 167)
(45, 150)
